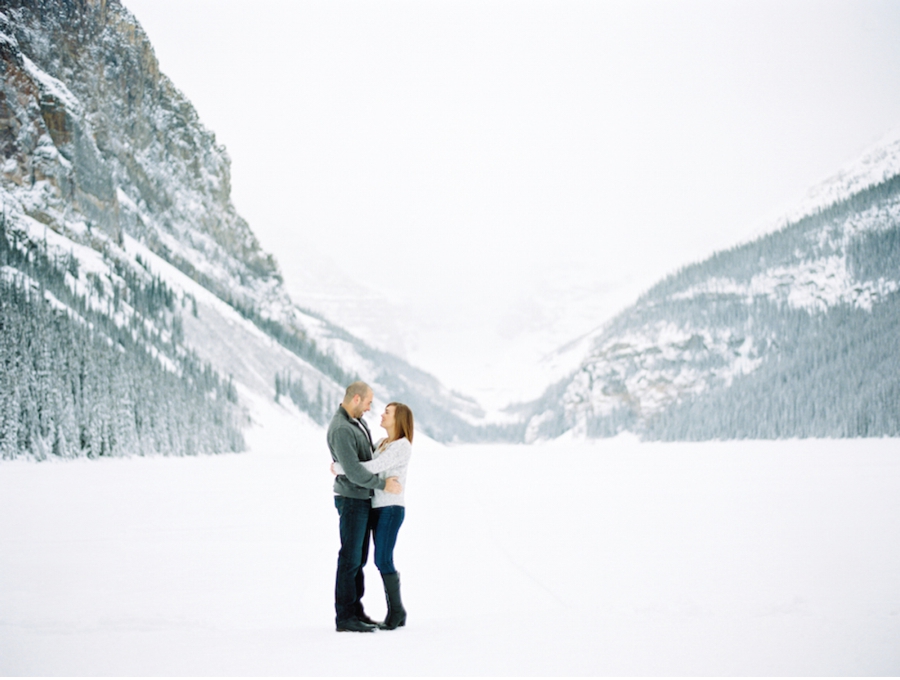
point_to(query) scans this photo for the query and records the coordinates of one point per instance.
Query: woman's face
(387, 419)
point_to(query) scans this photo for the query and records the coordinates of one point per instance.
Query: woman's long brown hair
(403, 421)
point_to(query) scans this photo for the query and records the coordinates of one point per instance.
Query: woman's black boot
(396, 614)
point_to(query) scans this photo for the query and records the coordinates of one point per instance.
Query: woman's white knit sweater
(389, 461)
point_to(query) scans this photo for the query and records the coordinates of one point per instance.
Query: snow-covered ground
(607, 557)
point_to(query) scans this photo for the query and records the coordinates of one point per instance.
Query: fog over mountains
(139, 312)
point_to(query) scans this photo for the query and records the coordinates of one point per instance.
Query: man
(350, 443)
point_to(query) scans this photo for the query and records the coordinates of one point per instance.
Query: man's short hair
(358, 387)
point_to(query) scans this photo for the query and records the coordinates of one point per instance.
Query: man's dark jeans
(386, 523)
(355, 527)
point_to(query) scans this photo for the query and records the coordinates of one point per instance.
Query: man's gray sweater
(350, 443)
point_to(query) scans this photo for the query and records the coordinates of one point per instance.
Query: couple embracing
(368, 495)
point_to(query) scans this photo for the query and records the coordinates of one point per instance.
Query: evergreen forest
(75, 382)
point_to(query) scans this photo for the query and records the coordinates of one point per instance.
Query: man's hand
(332, 470)
(392, 485)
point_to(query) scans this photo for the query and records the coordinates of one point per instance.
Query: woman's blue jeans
(386, 523)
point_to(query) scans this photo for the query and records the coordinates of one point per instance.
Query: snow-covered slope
(105, 162)
(875, 165)
(795, 333)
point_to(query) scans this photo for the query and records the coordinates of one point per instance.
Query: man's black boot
(396, 614)
(362, 616)
(354, 625)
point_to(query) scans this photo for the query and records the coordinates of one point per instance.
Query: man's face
(361, 404)
(366, 403)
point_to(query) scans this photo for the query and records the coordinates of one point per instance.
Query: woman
(392, 456)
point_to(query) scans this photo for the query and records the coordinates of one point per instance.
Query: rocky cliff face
(94, 131)
(51, 163)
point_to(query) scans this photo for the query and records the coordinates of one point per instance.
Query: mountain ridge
(106, 165)
(727, 334)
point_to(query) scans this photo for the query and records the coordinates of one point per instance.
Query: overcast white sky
(483, 159)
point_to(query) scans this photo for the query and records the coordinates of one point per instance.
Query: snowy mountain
(116, 213)
(794, 334)
(127, 275)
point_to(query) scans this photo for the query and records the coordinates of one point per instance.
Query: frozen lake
(605, 558)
